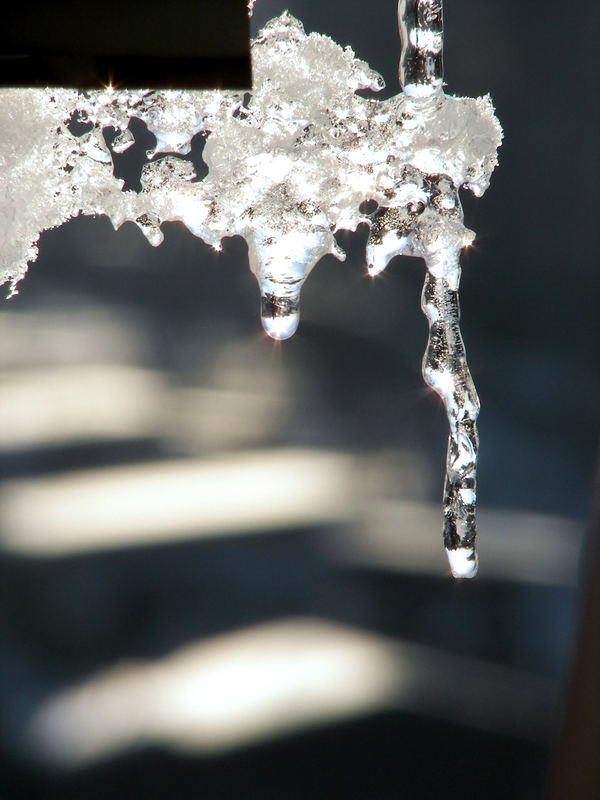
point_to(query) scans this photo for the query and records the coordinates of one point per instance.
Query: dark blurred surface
(199, 45)
(124, 365)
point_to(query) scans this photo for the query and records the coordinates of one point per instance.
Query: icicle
(445, 370)
(281, 265)
(444, 363)
(421, 36)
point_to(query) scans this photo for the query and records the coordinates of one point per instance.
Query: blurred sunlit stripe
(261, 491)
(199, 418)
(72, 333)
(513, 545)
(64, 405)
(67, 404)
(170, 500)
(279, 678)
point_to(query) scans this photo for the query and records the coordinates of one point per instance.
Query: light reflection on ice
(462, 564)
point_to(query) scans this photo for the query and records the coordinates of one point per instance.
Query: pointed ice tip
(463, 562)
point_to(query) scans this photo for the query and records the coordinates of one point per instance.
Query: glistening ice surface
(288, 166)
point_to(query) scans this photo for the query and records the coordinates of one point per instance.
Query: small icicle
(281, 264)
(280, 282)
(445, 370)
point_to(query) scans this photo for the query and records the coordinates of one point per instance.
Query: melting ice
(288, 166)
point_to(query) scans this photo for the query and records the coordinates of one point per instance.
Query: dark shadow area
(412, 756)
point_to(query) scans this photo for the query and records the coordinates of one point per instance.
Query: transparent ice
(288, 166)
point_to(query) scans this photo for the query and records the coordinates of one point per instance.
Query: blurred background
(221, 564)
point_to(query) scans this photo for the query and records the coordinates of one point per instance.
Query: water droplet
(463, 562)
(280, 316)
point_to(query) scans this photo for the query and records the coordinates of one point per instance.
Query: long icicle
(444, 363)
(445, 370)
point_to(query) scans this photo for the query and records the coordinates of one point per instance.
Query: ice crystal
(288, 166)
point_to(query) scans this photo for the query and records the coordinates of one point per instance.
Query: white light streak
(166, 501)
(254, 685)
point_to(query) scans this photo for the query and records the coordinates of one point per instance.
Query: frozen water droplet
(463, 562)
(280, 316)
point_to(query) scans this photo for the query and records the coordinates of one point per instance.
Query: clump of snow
(287, 166)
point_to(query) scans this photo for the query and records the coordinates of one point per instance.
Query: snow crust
(287, 166)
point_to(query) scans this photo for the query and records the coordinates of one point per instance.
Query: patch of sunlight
(63, 405)
(67, 404)
(73, 333)
(222, 693)
(276, 679)
(161, 502)
(207, 418)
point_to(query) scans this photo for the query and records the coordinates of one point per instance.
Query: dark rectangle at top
(202, 44)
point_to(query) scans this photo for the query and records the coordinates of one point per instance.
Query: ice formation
(288, 166)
